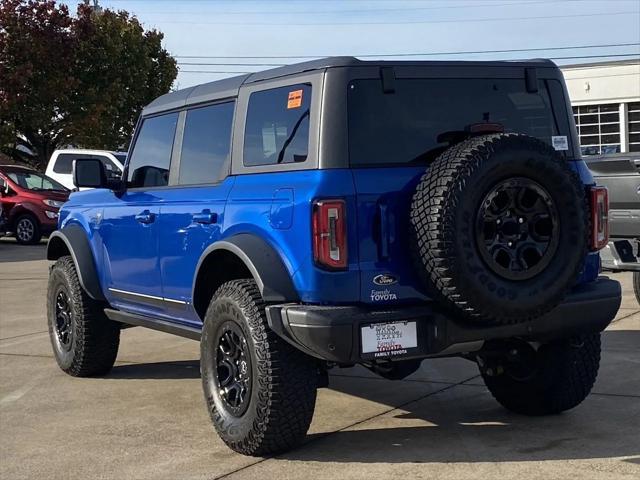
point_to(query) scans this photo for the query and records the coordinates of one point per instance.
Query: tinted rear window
(408, 126)
(277, 129)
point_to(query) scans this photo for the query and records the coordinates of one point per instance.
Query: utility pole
(95, 7)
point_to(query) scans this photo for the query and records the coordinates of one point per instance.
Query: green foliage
(74, 80)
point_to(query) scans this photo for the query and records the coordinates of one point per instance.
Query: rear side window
(151, 157)
(277, 128)
(64, 163)
(206, 144)
(419, 120)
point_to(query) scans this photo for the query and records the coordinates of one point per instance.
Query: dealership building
(606, 105)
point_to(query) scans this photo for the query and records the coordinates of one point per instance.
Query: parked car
(620, 173)
(60, 164)
(3, 220)
(30, 202)
(341, 212)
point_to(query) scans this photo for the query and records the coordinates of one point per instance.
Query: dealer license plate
(389, 338)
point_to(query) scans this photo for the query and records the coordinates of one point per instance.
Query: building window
(598, 128)
(633, 112)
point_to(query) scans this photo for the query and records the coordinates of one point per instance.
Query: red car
(30, 203)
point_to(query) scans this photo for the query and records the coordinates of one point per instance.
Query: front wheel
(260, 391)
(556, 377)
(85, 342)
(636, 285)
(28, 230)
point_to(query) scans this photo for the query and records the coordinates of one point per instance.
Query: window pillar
(624, 130)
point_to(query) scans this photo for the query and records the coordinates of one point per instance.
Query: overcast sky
(242, 28)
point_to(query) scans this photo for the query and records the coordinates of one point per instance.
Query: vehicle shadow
(183, 369)
(450, 423)
(463, 423)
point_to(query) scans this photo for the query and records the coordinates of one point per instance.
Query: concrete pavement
(146, 419)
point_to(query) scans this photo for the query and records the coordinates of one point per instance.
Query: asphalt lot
(146, 419)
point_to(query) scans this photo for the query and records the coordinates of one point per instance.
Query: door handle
(205, 217)
(145, 217)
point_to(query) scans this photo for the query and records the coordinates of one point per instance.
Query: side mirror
(4, 187)
(89, 173)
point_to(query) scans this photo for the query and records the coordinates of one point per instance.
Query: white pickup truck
(60, 166)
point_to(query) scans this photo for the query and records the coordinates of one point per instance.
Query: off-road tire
(636, 285)
(35, 225)
(94, 338)
(443, 228)
(283, 379)
(563, 376)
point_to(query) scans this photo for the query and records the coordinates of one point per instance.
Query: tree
(80, 81)
(36, 51)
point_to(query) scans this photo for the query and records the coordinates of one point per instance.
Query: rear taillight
(330, 234)
(599, 217)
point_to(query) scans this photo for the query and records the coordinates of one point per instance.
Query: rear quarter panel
(258, 206)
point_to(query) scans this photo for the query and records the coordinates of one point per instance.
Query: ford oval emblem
(384, 279)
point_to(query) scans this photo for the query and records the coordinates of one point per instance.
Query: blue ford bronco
(341, 212)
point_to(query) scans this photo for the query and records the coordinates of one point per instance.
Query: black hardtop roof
(229, 87)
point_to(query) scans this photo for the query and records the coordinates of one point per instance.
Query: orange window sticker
(295, 99)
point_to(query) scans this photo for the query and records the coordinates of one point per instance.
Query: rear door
(394, 135)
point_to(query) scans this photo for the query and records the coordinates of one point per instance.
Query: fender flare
(74, 238)
(264, 263)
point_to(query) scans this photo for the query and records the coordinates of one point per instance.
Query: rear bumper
(332, 333)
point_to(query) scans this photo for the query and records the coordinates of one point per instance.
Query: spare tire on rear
(500, 228)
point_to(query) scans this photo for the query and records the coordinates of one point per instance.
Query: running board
(153, 323)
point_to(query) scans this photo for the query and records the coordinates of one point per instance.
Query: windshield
(422, 117)
(35, 181)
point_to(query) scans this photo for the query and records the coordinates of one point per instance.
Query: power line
(328, 1)
(411, 22)
(211, 71)
(361, 10)
(598, 56)
(371, 55)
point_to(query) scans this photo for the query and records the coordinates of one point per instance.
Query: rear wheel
(260, 391)
(556, 377)
(636, 285)
(85, 342)
(27, 230)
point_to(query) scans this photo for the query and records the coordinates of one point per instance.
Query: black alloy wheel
(234, 370)
(63, 321)
(517, 228)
